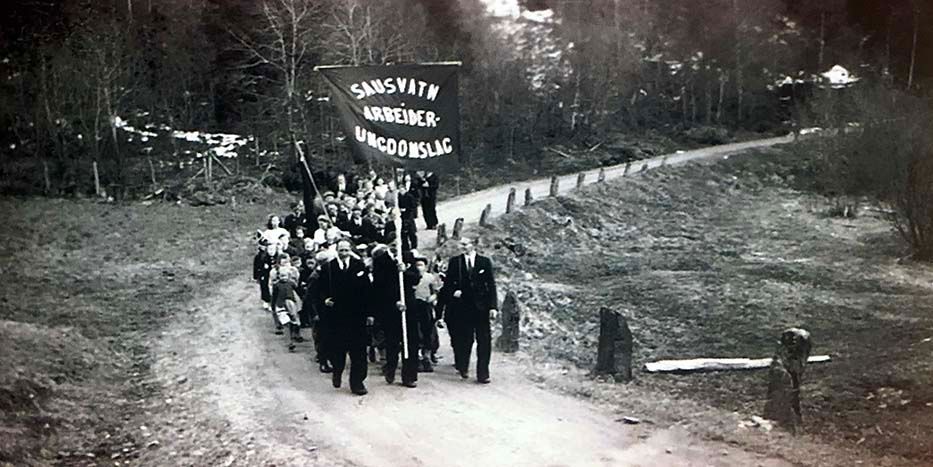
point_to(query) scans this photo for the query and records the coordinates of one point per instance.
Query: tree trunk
(822, 40)
(739, 85)
(913, 49)
(722, 96)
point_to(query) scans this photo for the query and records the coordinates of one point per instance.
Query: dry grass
(716, 262)
(86, 289)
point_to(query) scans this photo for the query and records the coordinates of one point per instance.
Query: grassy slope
(716, 262)
(85, 288)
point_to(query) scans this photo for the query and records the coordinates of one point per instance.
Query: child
(284, 280)
(423, 312)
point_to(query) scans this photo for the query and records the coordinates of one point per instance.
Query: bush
(883, 150)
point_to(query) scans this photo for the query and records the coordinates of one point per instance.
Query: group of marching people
(333, 268)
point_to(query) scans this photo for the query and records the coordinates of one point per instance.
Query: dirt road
(470, 206)
(276, 408)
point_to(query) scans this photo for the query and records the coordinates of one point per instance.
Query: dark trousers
(427, 331)
(393, 342)
(264, 291)
(316, 335)
(463, 332)
(429, 209)
(409, 365)
(409, 234)
(337, 343)
(358, 364)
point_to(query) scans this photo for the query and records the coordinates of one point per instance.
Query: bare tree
(282, 46)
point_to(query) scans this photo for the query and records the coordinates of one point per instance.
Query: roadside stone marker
(484, 216)
(581, 177)
(528, 197)
(510, 203)
(602, 175)
(511, 318)
(458, 229)
(614, 352)
(784, 378)
(441, 234)
(555, 185)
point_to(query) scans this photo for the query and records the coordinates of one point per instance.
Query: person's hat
(323, 217)
(329, 193)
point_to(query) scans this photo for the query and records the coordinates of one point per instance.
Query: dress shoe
(434, 358)
(279, 331)
(299, 339)
(335, 379)
(389, 375)
(464, 374)
(482, 380)
(372, 355)
(325, 368)
(360, 391)
(410, 384)
(425, 366)
(291, 347)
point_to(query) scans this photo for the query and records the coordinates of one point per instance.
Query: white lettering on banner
(401, 116)
(404, 148)
(399, 85)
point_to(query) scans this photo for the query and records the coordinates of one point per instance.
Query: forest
(142, 88)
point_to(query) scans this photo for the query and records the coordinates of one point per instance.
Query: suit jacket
(478, 287)
(430, 191)
(349, 290)
(385, 291)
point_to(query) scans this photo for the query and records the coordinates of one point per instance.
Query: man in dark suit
(470, 302)
(408, 206)
(388, 308)
(343, 288)
(428, 185)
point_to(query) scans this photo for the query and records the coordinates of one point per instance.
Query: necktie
(469, 261)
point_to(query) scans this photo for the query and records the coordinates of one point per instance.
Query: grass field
(86, 287)
(717, 261)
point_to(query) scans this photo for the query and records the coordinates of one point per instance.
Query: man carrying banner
(398, 114)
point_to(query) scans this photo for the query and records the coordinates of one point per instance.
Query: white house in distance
(838, 77)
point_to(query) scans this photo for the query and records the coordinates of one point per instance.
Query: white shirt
(277, 235)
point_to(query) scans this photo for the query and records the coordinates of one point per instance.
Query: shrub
(883, 150)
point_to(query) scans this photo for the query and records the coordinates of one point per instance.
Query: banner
(402, 113)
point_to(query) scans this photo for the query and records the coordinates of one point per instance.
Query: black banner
(403, 113)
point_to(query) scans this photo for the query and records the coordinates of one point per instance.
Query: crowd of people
(331, 265)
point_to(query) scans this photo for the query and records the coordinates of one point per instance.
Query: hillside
(715, 261)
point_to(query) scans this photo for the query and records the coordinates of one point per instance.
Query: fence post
(602, 175)
(628, 165)
(510, 202)
(529, 198)
(581, 177)
(458, 229)
(555, 186)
